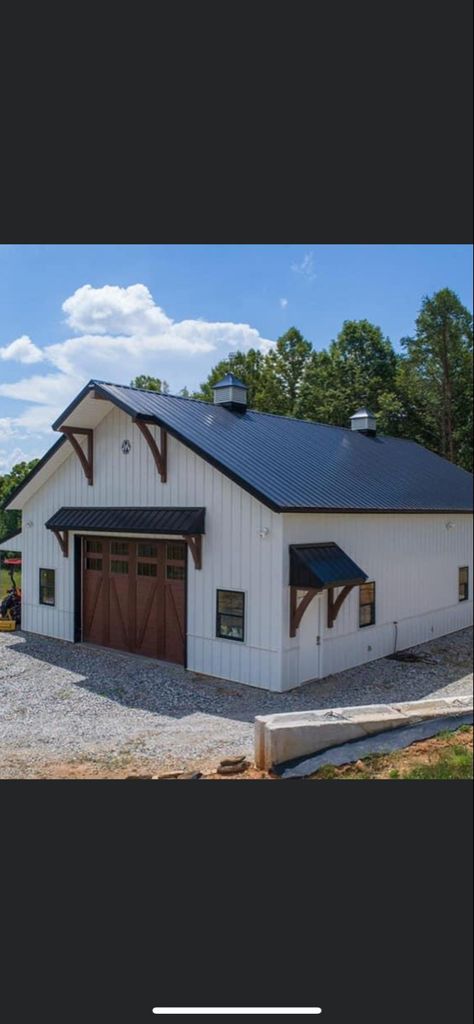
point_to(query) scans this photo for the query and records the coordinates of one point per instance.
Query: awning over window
(182, 521)
(323, 566)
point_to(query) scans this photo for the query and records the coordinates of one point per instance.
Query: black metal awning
(182, 521)
(323, 566)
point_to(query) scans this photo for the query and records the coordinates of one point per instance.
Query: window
(175, 552)
(118, 547)
(146, 569)
(230, 615)
(367, 604)
(46, 586)
(94, 564)
(119, 567)
(175, 572)
(94, 546)
(464, 583)
(147, 551)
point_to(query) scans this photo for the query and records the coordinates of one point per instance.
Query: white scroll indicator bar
(236, 1009)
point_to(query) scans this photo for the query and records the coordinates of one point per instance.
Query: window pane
(231, 626)
(94, 563)
(120, 567)
(463, 574)
(366, 593)
(118, 547)
(147, 551)
(175, 572)
(365, 616)
(47, 588)
(146, 569)
(175, 552)
(94, 545)
(230, 602)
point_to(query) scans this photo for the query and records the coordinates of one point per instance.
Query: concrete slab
(281, 738)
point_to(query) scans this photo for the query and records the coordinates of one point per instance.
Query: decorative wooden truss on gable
(86, 460)
(159, 453)
(315, 568)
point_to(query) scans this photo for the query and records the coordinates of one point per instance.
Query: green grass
(457, 764)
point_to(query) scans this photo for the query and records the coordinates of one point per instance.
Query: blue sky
(71, 312)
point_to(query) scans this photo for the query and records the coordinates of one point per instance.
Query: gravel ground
(64, 705)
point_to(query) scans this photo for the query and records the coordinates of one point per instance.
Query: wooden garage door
(134, 595)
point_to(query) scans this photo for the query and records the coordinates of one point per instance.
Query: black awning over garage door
(323, 566)
(182, 521)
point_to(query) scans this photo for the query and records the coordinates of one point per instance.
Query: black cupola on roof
(231, 393)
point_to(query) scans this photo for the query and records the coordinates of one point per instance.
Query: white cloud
(118, 334)
(306, 267)
(283, 303)
(22, 350)
(9, 459)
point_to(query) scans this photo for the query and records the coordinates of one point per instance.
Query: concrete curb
(283, 737)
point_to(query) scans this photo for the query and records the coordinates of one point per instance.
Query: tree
(146, 383)
(247, 366)
(358, 369)
(439, 359)
(11, 521)
(284, 369)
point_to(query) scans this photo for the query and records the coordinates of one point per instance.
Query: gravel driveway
(75, 710)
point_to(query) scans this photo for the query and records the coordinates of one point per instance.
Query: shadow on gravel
(168, 690)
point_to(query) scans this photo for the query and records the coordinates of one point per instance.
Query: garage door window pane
(94, 545)
(175, 572)
(230, 615)
(147, 551)
(175, 552)
(94, 564)
(146, 569)
(47, 586)
(118, 547)
(119, 567)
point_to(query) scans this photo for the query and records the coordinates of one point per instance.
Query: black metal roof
(322, 566)
(230, 381)
(297, 465)
(182, 521)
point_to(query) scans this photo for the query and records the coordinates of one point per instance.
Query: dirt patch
(426, 755)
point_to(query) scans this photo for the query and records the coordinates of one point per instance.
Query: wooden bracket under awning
(334, 604)
(159, 453)
(194, 543)
(87, 461)
(62, 538)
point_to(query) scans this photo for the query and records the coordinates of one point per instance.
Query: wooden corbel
(335, 605)
(87, 461)
(194, 543)
(159, 454)
(63, 541)
(297, 610)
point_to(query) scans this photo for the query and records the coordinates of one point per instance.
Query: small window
(47, 586)
(119, 567)
(94, 564)
(175, 552)
(175, 572)
(367, 604)
(147, 551)
(464, 583)
(230, 615)
(118, 547)
(94, 546)
(146, 569)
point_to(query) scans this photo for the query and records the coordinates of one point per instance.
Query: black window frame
(219, 614)
(465, 584)
(42, 587)
(367, 604)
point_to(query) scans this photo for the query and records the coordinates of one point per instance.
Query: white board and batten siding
(235, 556)
(414, 560)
